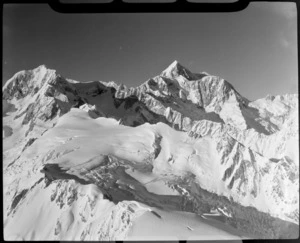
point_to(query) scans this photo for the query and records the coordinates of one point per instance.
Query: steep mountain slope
(128, 151)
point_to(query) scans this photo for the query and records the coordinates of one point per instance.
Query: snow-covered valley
(183, 152)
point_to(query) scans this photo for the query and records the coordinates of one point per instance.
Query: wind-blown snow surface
(100, 161)
(68, 210)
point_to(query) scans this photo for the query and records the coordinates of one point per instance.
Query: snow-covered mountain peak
(175, 69)
(27, 82)
(112, 84)
(77, 147)
(41, 67)
(173, 65)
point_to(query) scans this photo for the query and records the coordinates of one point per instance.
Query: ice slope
(175, 127)
(187, 226)
(80, 145)
(67, 210)
(276, 108)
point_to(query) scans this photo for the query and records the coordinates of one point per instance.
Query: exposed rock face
(254, 143)
(196, 97)
(50, 96)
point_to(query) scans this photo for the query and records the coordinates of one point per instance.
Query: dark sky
(255, 49)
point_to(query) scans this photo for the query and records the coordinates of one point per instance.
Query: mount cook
(87, 161)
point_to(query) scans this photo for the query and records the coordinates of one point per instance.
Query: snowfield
(65, 208)
(183, 156)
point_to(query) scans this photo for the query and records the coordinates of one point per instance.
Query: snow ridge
(134, 146)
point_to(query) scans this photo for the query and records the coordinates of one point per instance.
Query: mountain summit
(175, 70)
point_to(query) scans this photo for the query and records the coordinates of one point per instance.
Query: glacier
(183, 152)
